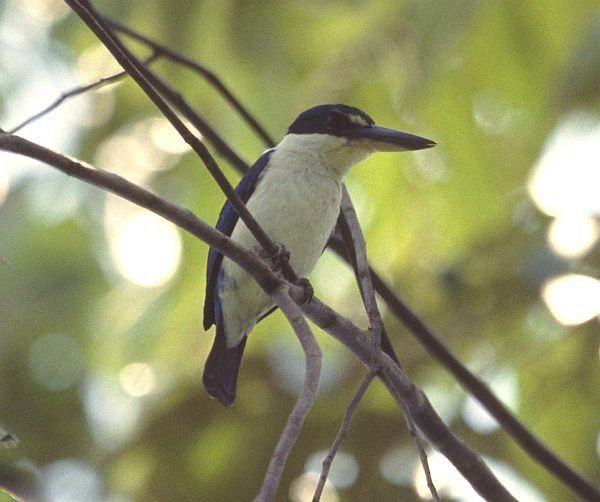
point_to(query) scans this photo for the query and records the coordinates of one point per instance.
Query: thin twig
(203, 71)
(422, 455)
(363, 275)
(466, 461)
(75, 92)
(145, 78)
(407, 394)
(349, 220)
(342, 433)
(305, 401)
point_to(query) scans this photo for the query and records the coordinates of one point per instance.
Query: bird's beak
(388, 140)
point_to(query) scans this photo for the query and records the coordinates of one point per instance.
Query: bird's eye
(338, 122)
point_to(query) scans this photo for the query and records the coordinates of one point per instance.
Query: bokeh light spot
(165, 137)
(344, 469)
(566, 177)
(45, 11)
(492, 113)
(303, 488)
(398, 464)
(71, 481)
(4, 186)
(572, 298)
(451, 485)
(55, 361)
(146, 249)
(137, 379)
(95, 63)
(573, 234)
(54, 198)
(113, 415)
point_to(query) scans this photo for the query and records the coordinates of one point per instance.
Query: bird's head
(344, 135)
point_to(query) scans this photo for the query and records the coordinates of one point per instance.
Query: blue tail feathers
(222, 368)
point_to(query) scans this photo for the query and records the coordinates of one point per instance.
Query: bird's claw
(280, 258)
(307, 290)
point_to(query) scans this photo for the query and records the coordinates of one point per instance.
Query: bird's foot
(307, 290)
(280, 258)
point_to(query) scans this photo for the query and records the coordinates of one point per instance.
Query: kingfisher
(294, 192)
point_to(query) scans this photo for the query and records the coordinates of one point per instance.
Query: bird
(294, 192)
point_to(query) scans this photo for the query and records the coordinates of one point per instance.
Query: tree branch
(181, 217)
(342, 433)
(530, 443)
(75, 92)
(417, 404)
(219, 144)
(145, 78)
(305, 400)
(213, 79)
(355, 242)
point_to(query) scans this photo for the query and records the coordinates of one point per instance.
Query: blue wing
(227, 220)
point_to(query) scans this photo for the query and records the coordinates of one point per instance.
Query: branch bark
(306, 399)
(356, 244)
(436, 348)
(407, 394)
(75, 92)
(207, 74)
(145, 79)
(342, 433)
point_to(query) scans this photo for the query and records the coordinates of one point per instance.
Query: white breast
(297, 204)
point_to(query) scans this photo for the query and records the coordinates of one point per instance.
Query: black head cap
(330, 119)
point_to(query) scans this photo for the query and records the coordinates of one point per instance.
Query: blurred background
(492, 237)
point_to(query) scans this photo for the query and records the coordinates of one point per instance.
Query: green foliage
(452, 228)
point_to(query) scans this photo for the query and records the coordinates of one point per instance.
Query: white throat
(334, 152)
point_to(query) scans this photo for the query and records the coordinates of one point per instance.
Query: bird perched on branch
(294, 192)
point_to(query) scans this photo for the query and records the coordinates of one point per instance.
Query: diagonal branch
(145, 78)
(75, 92)
(219, 144)
(120, 186)
(342, 433)
(213, 79)
(355, 242)
(407, 394)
